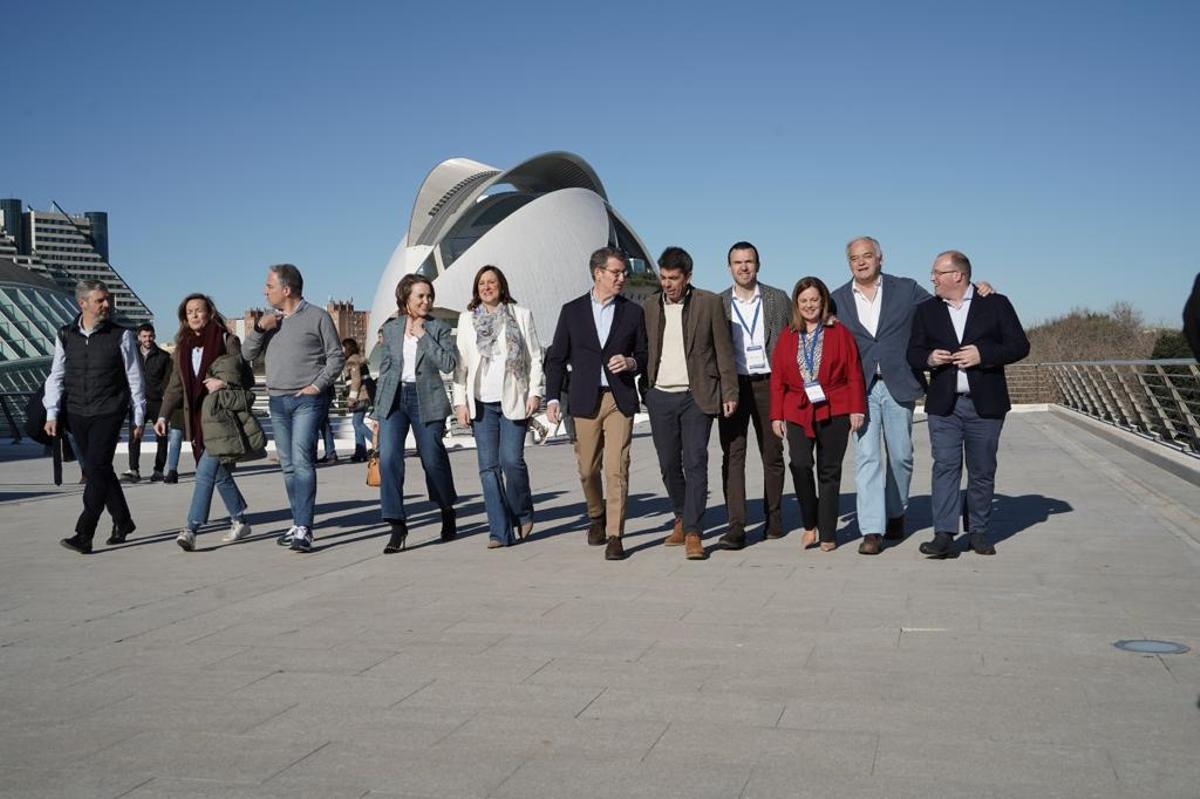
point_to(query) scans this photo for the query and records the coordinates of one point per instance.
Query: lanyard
(754, 323)
(810, 355)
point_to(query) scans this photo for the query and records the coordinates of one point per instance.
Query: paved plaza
(542, 670)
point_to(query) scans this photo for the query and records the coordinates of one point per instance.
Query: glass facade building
(32, 309)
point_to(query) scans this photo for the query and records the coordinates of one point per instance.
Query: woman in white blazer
(498, 386)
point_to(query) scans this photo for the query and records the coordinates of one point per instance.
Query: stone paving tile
(382, 766)
(236, 758)
(335, 689)
(826, 751)
(523, 738)
(411, 729)
(806, 778)
(179, 788)
(634, 703)
(67, 783)
(691, 778)
(530, 700)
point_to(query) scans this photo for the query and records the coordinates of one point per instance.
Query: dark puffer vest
(95, 381)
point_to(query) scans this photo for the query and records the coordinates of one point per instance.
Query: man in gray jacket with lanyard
(304, 357)
(756, 313)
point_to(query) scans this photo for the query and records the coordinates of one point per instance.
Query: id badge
(756, 357)
(814, 391)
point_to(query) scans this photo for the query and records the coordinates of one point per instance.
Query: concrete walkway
(541, 670)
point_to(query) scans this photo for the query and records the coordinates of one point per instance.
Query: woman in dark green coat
(201, 340)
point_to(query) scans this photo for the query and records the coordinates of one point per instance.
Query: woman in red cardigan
(817, 398)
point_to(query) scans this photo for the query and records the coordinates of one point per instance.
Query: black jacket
(576, 343)
(993, 327)
(156, 367)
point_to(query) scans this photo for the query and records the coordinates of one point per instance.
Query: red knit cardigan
(840, 376)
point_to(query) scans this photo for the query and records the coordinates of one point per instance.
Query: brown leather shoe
(695, 547)
(895, 529)
(596, 535)
(675, 539)
(871, 544)
(808, 539)
(614, 550)
(828, 546)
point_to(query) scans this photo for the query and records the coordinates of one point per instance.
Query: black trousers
(754, 405)
(819, 511)
(96, 438)
(681, 431)
(135, 447)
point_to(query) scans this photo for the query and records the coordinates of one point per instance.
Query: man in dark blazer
(756, 313)
(690, 380)
(878, 309)
(602, 337)
(965, 340)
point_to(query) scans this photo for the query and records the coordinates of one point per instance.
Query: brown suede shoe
(596, 535)
(871, 544)
(695, 547)
(895, 529)
(614, 550)
(675, 539)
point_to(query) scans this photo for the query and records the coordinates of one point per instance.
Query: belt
(755, 378)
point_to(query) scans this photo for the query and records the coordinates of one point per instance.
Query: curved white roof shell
(538, 222)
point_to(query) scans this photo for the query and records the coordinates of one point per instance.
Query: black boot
(398, 539)
(449, 524)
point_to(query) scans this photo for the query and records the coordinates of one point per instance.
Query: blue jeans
(210, 473)
(963, 431)
(500, 448)
(174, 445)
(295, 420)
(362, 433)
(393, 430)
(882, 480)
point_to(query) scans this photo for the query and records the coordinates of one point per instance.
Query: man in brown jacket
(691, 378)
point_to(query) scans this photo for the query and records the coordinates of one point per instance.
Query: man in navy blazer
(601, 336)
(965, 340)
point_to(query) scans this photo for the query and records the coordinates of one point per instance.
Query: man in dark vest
(97, 377)
(156, 369)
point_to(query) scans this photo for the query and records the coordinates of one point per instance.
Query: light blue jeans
(210, 473)
(883, 457)
(174, 445)
(362, 433)
(500, 449)
(295, 421)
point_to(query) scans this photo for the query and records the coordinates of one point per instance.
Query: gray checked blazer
(777, 312)
(436, 353)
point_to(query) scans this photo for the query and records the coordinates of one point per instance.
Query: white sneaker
(186, 540)
(285, 540)
(237, 531)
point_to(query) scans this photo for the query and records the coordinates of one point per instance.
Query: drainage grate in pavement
(1151, 647)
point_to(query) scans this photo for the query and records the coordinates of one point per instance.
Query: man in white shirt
(965, 339)
(756, 313)
(96, 365)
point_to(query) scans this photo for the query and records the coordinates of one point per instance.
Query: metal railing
(1159, 399)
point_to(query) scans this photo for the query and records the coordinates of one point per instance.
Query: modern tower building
(66, 248)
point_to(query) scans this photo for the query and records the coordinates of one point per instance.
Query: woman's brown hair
(505, 297)
(404, 290)
(802, 285)
(213, 314)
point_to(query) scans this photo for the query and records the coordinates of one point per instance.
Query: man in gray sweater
(304, 357)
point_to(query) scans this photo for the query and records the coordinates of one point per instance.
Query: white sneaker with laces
(285, 540)
(237, 531)
(186, 540)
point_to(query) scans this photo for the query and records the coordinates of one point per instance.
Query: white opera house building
(539, 222)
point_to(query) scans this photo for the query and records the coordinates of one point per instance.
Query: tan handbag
(373, 469)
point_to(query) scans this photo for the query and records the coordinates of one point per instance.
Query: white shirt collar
(878, 282)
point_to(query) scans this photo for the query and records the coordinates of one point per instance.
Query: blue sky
(1053, 142)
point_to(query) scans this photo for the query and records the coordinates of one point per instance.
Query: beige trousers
(603, 442)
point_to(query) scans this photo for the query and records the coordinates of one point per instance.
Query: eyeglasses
(936, 272)
(618, 273)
